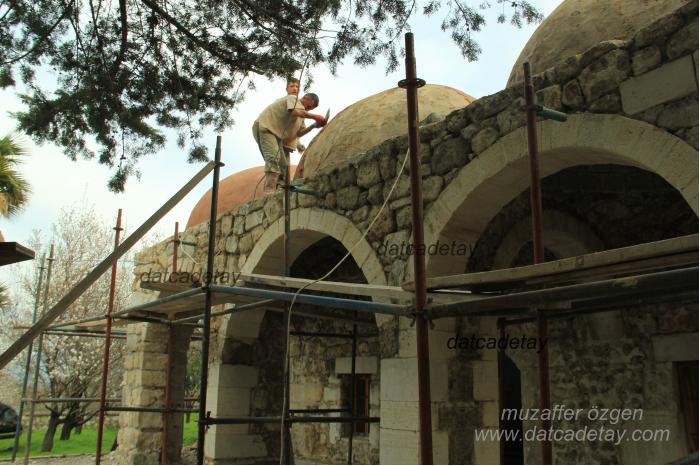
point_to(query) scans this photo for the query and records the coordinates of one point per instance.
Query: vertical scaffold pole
(287, 207)
(168, 399)
(37, 367)
(501, 388)
(28, 362)
(286, 455)
(206, 331)
(538, 250)
(353, 393)
(176, 246)
(411, 84)
(108, 341)
(169, 367)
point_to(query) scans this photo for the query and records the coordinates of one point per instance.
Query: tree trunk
(54, 421)
(68, 426)
(78, 429)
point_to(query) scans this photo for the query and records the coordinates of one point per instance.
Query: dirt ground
(189, 456)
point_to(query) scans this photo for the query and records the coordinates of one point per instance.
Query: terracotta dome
(577, 25)
(373, 120)
(234, 190)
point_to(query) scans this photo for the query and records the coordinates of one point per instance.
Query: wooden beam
(100, 269)
(352, 289)
(666, 282)
(636, 258)
(12, 252)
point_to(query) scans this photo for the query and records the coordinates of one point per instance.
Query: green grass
(81, 444)
(189, 434)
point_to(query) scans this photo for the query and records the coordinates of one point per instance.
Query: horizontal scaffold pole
(292, 420)
(60, 307)
(328, 301)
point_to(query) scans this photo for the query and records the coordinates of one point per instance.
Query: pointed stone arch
(486, 184)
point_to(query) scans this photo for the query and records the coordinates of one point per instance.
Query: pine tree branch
(40, 41)
(201, 44)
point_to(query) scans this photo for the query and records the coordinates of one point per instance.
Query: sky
(59, 182)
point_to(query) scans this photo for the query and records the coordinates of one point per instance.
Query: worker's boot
(271, 180)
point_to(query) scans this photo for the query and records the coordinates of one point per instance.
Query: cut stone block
(677, 347)
(664, 84)
(403, 374)
(403, 415)
(221, 444)
(403, 447)
(363, 365)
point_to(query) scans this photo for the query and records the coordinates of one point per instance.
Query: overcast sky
(57, 182)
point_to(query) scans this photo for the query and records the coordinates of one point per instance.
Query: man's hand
(320, 120)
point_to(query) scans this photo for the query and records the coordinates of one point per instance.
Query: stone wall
(608, 360)
(145, 376)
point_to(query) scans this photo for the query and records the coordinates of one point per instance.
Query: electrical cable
(285, 412)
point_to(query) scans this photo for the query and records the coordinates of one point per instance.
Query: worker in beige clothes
(283, 120)
(292, 143)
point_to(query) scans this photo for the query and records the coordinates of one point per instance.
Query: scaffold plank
(674, 252)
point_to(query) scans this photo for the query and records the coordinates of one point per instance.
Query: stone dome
(577, 25)
(371, 121)
(234, 190)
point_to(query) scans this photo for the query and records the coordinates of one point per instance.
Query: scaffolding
(662, 271)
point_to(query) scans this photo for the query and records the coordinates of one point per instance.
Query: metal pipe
(419, 272)
(176, 245)
(322, 335)
(691, 296)
(68, 333)
(320, 410)
(204, 372)
(168, 368)
(75, 292)
(238, 308)
(37, 367)
(327, 301)
(286, 454)
(538, 252)
(353, 406)
(71, 400)
(108, 342)
(148, 320)
(501, 383)
(168, 399)
(135, 409)
(28, 362)
(543, 377)
(287, 221)
(75, 322)
(292, 420)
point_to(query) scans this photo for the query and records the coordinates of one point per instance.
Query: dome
(234, 190)
(373, 120)
(577, 25)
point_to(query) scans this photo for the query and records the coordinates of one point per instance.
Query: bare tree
(71, 366)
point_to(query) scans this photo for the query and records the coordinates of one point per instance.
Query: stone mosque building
(621, 171)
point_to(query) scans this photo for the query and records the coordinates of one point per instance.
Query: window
(361, 401)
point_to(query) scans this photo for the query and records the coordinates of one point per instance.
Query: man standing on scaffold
(283, 120)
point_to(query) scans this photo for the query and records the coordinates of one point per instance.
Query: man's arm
(300, 112)
(307, 129)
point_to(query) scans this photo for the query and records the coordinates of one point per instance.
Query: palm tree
(14, 189)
